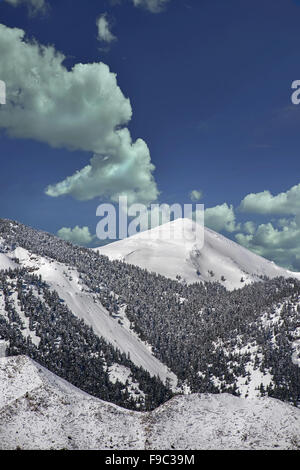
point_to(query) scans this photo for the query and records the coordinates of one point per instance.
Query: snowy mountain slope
(182, 256)
(6, 262)
(224, 421)
(36, 322)
(85, 305)
(241, 342)
(41, 411)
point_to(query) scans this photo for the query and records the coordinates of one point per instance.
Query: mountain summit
(173, 250)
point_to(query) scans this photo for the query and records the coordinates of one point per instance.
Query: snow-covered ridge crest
(38, 410)
(179, 256)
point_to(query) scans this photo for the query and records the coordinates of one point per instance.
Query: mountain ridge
(244, 341)
(40, 411)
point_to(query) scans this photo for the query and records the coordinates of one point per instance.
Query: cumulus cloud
(34, 6)
(78, 235)
(249, 227)
(280, 245)
(104, 32)
(78, 109)
(155, 6)
(286, 203)
(196, 195)
(221, 217)
(279, 238)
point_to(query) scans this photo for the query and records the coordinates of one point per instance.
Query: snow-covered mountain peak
(175, 250)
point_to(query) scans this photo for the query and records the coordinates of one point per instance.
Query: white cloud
(249, 227)
(280, 245)
(34, 6)
(78, 235)
(196, 195)
(221, 217)
(278, 239)
(286, 203)
(104, 32)
(78, 109)
(155, 6)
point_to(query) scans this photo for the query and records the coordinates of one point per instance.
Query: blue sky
(209, 84)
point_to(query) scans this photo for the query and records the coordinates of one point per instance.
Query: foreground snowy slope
(224, 421)
(38, 410)
(41, 411)
(182, 256)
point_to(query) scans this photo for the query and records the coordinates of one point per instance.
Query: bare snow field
(38, 410)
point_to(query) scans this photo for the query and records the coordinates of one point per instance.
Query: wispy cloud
(196, 195)
(104, 29)
(34, 6)
(154, 6)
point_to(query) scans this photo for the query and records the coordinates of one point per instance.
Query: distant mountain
(220, 259)
(38, 410)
